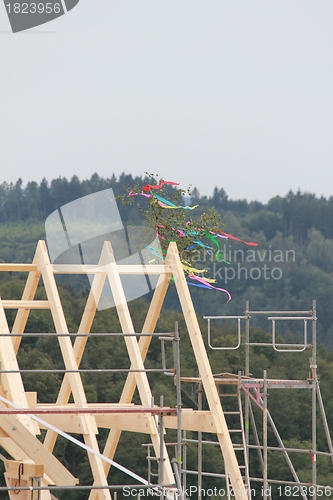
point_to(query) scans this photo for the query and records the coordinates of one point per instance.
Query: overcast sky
(230, 93)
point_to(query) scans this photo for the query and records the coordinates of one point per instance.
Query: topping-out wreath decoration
(173, 221)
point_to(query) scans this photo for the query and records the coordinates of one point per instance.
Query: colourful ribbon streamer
(191, 270)
(169, 204)
(148, 187)
(213, 238)
(131, 193)
(204, 284)
(249, 243)
(162, 201)
(186, 232)
(210, 235)
(198, 285)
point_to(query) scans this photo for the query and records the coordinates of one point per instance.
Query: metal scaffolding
(255, 392)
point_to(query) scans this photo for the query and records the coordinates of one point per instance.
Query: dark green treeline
(292, 215)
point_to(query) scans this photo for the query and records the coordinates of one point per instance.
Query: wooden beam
(11, 383)
(135, 356)
(36, 451)
(80, 342)
(88, 422)
(31, 399)
(28, 470)
(13, 449)
(29, 293)
(71, 423)
(60, 324)
(144, 342)
(17, 268)
(192, 420)
(99, 269)
(26, 304)
(173, 260)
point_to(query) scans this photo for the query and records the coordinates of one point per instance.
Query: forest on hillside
(293, 215)
(291, 266)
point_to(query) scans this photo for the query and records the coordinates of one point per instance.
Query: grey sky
(236, 94)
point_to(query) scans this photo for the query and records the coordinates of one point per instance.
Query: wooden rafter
(27, 447)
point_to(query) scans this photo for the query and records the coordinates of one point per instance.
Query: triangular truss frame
(18, 432)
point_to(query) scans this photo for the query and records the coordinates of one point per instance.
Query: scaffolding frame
(255, 390)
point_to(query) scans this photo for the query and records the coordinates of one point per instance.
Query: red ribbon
(148, 187)
(250, 243)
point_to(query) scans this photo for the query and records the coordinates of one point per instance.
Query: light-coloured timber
(29, 293)
(24, 474)
(80, 343)
(11, 383)
(25, 304)
(121, 269)
(36, 451)
(206, 374)
(22, 443)
(18, 268)
(75, 380)
(27, 470)
(130, 384)
(192, 420)
(135, 356)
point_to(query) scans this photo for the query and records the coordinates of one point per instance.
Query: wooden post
(173, 260)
